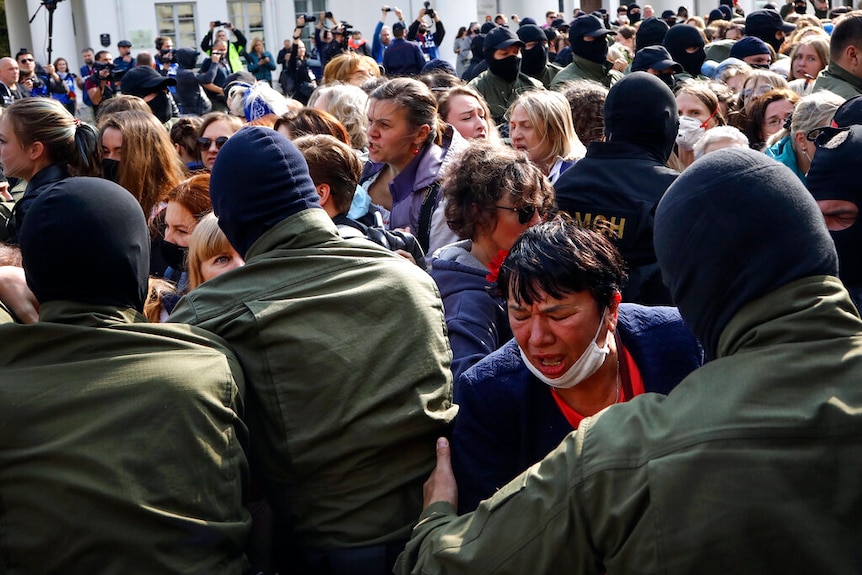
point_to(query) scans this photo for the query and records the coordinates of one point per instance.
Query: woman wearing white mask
(576, 351)
(699, 111)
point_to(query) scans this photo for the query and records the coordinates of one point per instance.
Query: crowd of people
(609, 266)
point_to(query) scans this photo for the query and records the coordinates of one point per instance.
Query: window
(247, 15)
(309, 8)
(177, 22)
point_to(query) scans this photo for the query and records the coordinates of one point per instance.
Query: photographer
(429, 41)
(165, 64)
(39, 80)
(100, 86)
(328, 49)
(213, 75)
(234, 49)
(382, 37)
(297, 80)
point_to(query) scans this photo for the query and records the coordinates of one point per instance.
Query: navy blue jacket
(508, 420)
(403, 58)
(476, 320)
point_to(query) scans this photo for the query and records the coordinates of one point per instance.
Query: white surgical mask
(589, 363)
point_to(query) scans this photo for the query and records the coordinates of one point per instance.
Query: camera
(428, 9)
(218, 23)
(99, 66)
(328, 14)
(310, 18)
(387, 9)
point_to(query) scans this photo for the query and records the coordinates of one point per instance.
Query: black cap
(748, 46)
(668, 14)
(531, 33)
(499, 39)
(142, 80)
(761, 21)
(560, 24)
(124, 44)
(487, 27)
(655, 57)
(587, 25)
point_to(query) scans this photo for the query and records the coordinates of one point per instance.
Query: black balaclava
(640, 109)
(594, 51)
(834, 175)
(634, 17)
(679, 38)
(508, 68)
(476, 47)
(534, 60)
(87, 241)
(651, 32)
(160, 105)
(733, 228)
(272, 185)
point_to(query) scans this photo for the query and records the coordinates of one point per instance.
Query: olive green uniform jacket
(751, 465)
(499, 94)
(583, 69)
(347, 363)
(838, 81)
(120, 446)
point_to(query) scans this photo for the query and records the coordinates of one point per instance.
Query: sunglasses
(27, 60)
(525, 214)
(205, 143)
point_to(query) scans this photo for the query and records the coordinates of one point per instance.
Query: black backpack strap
(429, 202)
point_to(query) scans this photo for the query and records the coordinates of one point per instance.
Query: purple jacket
(409, 187)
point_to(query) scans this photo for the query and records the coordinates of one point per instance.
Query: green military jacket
(583, 69)
(121, 446)
(838, 81)
(751, 465)
(344, 350)
(499, 94)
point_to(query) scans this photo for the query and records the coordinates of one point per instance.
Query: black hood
(733, 228)
(86, 240)
(186, 57)
(834, 175)
(272, 185)
(681, 37)
(640, 109)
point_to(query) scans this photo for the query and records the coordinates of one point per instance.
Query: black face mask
(634, 17)
(161, 107)
(691, 63)
(111, 170)
(594, 51)
(534, 60)
(174, 255)
(800, 8)
(667, 79)
(508, 68)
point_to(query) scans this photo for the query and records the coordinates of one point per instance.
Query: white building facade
(100, 24)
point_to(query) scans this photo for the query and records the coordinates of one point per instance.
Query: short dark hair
(847, 31)
(587, 103)
(334, 163)
(559, 257)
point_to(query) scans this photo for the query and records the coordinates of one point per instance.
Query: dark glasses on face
(525, 214)
(205, 143)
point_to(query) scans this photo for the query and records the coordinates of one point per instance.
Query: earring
(415, 151)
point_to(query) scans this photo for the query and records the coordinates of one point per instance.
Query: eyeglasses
(205, 143)
(27, 60)
(525, 214)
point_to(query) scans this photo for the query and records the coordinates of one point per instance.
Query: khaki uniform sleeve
(532, 525)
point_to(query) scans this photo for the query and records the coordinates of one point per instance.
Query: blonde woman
(540, 124)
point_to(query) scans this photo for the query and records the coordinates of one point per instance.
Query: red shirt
(631, 384)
